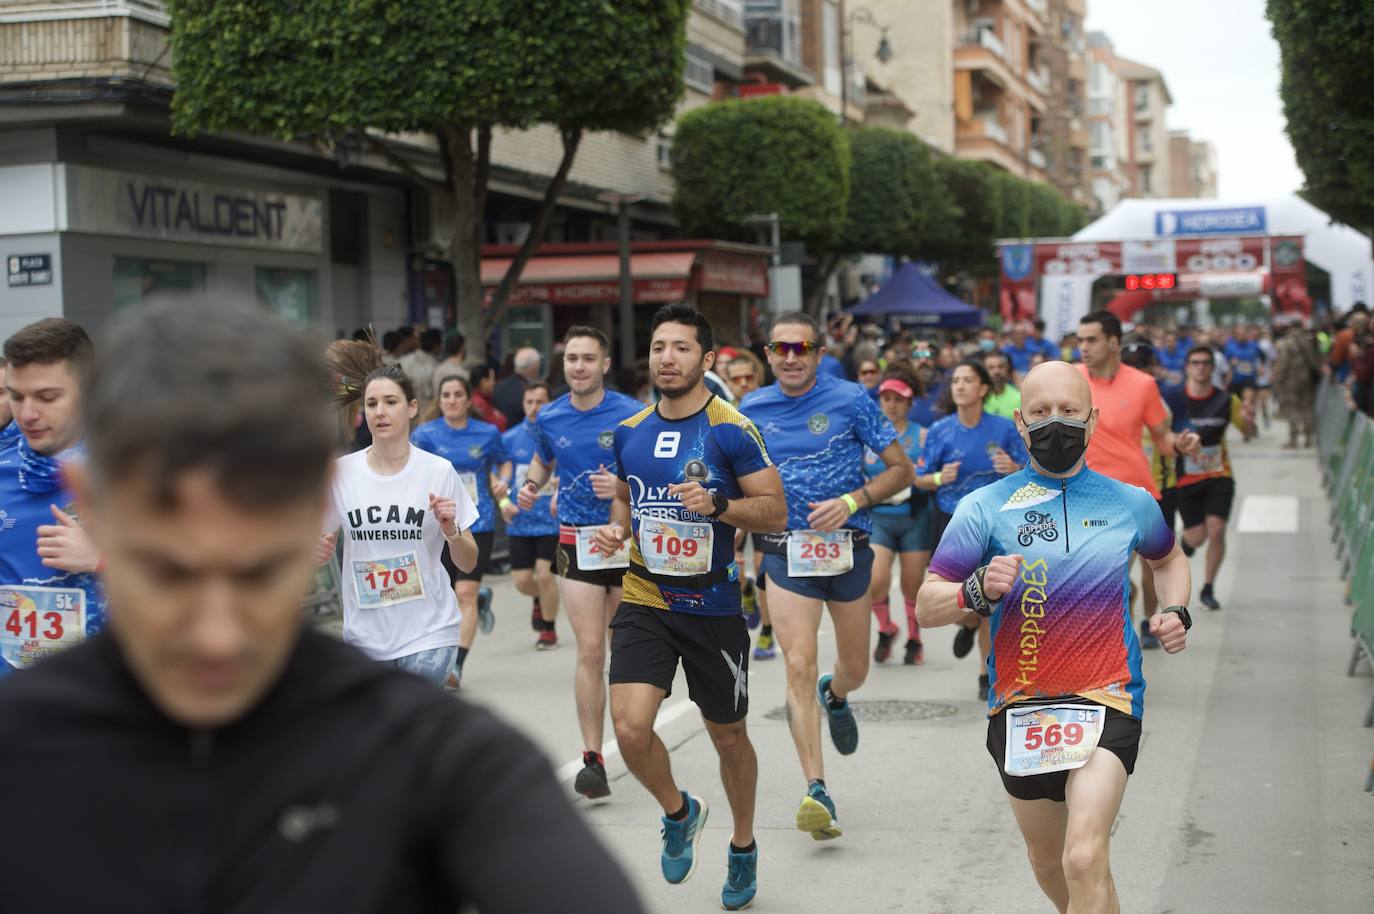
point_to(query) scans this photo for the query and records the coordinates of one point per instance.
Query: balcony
(151, 11)
(84, 39)
(984, 137)
(774, 47)
(981, 51)
(1037, 159)
(1039, 80)
(984, 38)
(730, 12)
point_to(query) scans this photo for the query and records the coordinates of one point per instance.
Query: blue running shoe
(749, 601)
(741, 881)
(766, 649)
(844, 729)
(680, 841)
(817, 814)
(486, 619)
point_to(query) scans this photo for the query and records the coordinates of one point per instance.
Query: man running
(575, 435)
(1044, 553)
(224, 754)
(692, 470)
(816, 429)
(1004, 399)
(1206, 487)
(532, 534)
(50, 598)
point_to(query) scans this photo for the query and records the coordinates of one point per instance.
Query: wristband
(457, 535)
(971, 596)
(504, 503)
(938, 478)
(850, 502)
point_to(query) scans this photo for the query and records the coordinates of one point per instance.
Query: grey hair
(230, 390)
(527, 358)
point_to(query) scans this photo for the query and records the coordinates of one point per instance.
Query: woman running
(903, 526)
(475, 450)
(400, 509)
(963, 452)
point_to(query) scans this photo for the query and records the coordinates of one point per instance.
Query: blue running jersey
(1065, 627)
(818, 440)
(475, 451)
(950, 441)
(715, 446)
(581, 441)
(873, 465)
(1245, 360)
(537, 521)
(39, 606)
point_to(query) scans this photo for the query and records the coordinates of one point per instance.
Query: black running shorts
(484, 543)
(524, 550)
(1208, 498)
(565, 562)
(1120, 737)
(647, 643)
(1168, 506)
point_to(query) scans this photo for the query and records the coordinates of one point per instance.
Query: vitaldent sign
(116, 203)
(1241, 220)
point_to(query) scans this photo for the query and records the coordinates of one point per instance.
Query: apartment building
(1192, 166)
(1147, 132)
(1068, 139)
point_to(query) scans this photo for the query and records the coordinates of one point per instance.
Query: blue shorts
(432, 664)
(839, 588)
(904, 532)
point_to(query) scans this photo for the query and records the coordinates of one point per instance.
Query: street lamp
(883, 54)
(622, 203)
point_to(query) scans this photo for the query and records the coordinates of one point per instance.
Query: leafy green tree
(1327, 49)
(1016, 205)
(356, 71)
(976, 191)
(779, 154)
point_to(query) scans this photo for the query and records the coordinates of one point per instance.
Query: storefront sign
(30, 270)
(646, 292)
(109, 202)
(1239, 220)
(742, 274)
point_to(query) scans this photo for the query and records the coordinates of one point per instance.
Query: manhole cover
(886, 711)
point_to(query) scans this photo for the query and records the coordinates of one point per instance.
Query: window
(1102, 135)
(1097, 78)
(146, 282)
(1146, 143)
(830, 39)
(1142, 97)
(1099, 162)
(291, 294)
(1146, 174)
(701, 72)
(665, 151)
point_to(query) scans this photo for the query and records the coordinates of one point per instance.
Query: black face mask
(1057, 443)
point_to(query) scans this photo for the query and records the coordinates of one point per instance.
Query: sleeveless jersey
(581, 441)
(1208, 416)
(1065, 627)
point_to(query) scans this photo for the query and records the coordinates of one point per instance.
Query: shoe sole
(736, 907)
(696, 833)
(542, 646)
(592, 792)
(814, 819)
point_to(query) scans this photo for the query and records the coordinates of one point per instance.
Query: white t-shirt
(396, 594)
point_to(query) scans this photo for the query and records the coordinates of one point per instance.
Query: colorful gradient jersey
(581, 442)
(714, 446)
(818, 440)
(1065, 628)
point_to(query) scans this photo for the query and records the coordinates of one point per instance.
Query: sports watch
(1183, 616)
(722, 503)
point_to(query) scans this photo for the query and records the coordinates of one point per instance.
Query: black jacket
(351, 788)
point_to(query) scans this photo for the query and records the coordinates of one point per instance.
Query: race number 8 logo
(666, 445)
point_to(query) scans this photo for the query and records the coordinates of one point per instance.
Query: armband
(971, 596)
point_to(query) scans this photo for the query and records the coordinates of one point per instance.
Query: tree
(976, 192)
(1327, 49)
(778, 154)
(1015, 192)
(355, 70)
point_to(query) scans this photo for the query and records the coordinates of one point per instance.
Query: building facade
(1148, 133)
(1192, 166)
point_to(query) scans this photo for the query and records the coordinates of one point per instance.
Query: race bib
(1243, 367)
(676, 548)
(817, 554)
(469, 481)
(386, 582)
(1048, 738)
(1174, 378)
(40, 622)
(590, 558)
(1207, 460)
(522, 472)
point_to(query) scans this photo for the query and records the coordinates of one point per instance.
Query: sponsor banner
(1063, 301)
(1238, 220)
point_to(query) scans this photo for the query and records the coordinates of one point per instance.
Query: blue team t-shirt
(1021, 356)
(950, 441)
(873, 465)
(41, 609)
(476, 450)
(1245, 359)
(582, 441)
(538, 520)
(817, 441)
(715, 446)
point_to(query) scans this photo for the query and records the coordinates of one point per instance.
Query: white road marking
(1268, 514)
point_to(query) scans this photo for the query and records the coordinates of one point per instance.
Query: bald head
(1056, 390)
(1057, 382)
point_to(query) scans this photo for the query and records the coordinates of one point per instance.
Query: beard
(686, 382)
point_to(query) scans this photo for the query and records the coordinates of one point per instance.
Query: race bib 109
(676, 548)
(39, 622)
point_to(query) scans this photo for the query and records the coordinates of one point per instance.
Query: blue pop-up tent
(913, 296)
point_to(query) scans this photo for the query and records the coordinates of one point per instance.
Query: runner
(400, 506)
(574, 436)
(1003, 398)
(691, 471)
(963, 452)
(476, 450)
(817, 428)
(745, 373)
(1246, 357)
(287, 765)
(1269, 356)
(1128, 405)
(50, 598)
(1068, 694)
(1206, 488)
(532, 534)
(903, 526)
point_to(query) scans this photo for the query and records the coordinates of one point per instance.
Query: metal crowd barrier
(1345, 442)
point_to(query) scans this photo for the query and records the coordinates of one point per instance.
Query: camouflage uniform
(1295, 386)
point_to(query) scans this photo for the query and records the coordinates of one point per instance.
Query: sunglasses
(868, 371)
(922, 354)
(777, 347)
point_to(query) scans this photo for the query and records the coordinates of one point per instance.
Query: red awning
(659, 278)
